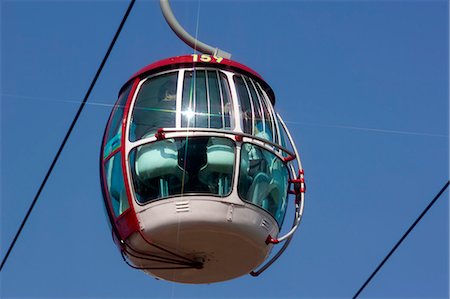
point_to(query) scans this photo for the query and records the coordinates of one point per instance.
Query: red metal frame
(175, 62)
(111, 154)
(105, 192)
(189, 61)
(126, 223)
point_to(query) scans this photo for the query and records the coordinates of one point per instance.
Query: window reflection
(155, 106)
(115, 125)
(263, 180)
(115, 184)
(256, 113)
(206, 100)
(247, 114)
(198, 165)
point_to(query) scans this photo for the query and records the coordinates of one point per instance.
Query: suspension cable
(69, 131)
(401, 239)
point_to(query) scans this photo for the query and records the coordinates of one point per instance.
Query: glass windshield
(206, 100)
(247, 114)
(263, 180)
(256, 110)
(155, 106)
(177, 166)
(117, 194)
(114, 130)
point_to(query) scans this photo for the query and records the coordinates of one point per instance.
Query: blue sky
(363, 86)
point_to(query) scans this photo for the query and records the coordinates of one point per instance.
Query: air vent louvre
(266, 224)
(182, 206)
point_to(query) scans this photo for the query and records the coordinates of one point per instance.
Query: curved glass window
(196, 165)
(256, 111)
(115, 124)
(247, 114)
(283, 137)
(155, 106)
(269, 128)
(206, 100)
(263, 180)
(115, 183)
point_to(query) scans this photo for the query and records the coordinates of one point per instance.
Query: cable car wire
(401, 239)
(69, 131)
(156, 268)
(153, 257)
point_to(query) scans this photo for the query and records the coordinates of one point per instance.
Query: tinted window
(206, 100)
(263, 180)
(196, 165)
(269, 114)
(155, 106)
(216, 119)
(227, 105)
(256, 113)
(246, 105)
(115, 125)
(115, 184)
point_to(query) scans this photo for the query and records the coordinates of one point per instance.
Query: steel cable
(69, 131)
(401, 239)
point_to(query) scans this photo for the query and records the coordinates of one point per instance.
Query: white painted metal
(228, 238)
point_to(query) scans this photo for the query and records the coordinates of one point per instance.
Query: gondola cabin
(195, 170)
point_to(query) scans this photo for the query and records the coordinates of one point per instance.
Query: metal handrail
(299, 206)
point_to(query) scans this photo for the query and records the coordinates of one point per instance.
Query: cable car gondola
(196, 170)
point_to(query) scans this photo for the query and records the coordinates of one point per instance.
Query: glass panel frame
(264, 180)
(114, 130)
(200, 165)
(115, 184)
(154, 107)
(269, 111)
(206, 100)
(227, 103)
(247, 113)
(216, 118)
(258, 122)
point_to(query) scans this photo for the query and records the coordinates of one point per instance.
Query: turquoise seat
(268, 184)
(159, 161)
(263, 192)
(218, 171)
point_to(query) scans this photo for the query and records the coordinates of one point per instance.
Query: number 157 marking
(206, 58)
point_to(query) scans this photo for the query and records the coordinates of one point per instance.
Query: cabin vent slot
(266, 224)
(182, 206)
(230, 213)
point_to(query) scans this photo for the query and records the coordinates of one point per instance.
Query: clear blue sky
(363, 85)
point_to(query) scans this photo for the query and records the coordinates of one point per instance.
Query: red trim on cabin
(293, 192)
(127, 222)
(108, 126)
(105, 184)
(211, 61)
(188, 60)
(160, 134)
(271, 240)
(300, 180)
(289, 158)
(111, 154)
